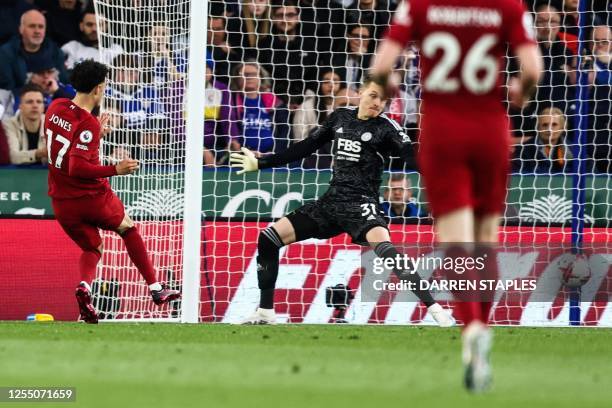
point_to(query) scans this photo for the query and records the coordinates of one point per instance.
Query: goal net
(275, 71)
(145, 44)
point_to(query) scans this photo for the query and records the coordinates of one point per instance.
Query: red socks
(491, 272)
(138, 254)
(475, 305)
(87, 265)
(468, 312)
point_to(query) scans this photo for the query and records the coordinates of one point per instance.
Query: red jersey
(73, 142)
(462, 44)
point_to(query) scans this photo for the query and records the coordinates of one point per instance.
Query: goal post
(153, 49)
(192, 216)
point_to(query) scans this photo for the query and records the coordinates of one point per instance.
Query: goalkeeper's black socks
(267, 265)
(387, 250)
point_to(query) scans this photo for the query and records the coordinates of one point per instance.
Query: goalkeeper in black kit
(362, 138)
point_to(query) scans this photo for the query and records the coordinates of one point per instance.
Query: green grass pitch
(172, 365)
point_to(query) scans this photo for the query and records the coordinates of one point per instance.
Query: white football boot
(477, 341)
(441, 316)
(261, 316)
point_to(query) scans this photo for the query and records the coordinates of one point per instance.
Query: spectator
(46, 77)
(555, 87)
(220, 126)
(288, 54)
(313, 112)
(602, 98)
(138, 102)
(130, 24)
(24, 131)
(87, 47)
(168, 65)
(262, 118)
(399, 201)
(372, 13)
(547, 153)
(228, 8)
(21, 53)
(557, 57)
(316, 107)
(346, 97)
(355, 58)
(569, 25)
(63, 18)
(247, 29)
(315, 16)
(10, 12)
(5, 157)
(223, 55)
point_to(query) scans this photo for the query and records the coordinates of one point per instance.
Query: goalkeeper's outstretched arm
(246, 160)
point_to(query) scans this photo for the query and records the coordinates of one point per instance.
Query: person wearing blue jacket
(29, 49)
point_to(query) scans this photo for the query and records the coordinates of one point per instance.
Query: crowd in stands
(275, 70)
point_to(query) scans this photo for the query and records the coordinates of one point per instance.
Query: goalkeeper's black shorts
(332, 215)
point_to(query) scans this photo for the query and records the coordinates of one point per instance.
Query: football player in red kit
(79, 189)
(464, 152)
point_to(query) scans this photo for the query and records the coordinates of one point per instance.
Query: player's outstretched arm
(82, 168)
(246, 160)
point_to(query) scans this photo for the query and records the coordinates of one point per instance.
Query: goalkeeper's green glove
(245, 161)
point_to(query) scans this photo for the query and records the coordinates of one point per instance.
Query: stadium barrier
(541, 198)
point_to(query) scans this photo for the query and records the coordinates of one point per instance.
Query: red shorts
(81, 217)
(464, 162)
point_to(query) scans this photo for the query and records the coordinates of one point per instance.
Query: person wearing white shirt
(88, 47)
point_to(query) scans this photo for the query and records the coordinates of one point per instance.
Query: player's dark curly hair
(88, 74)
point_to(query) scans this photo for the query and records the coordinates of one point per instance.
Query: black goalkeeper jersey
(360, 148)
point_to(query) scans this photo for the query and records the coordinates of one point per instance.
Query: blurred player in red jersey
(465, 129)
(80, 192)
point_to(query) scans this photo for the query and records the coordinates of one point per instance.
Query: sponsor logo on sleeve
(86, 136)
